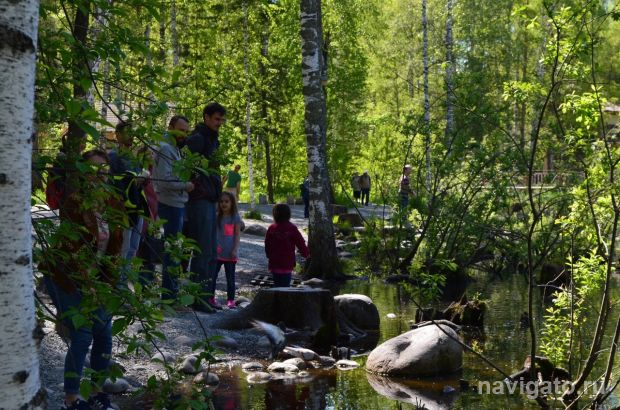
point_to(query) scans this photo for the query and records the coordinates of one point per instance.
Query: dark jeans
(229, 269)
(173, 224)
(365, 195)
(306, 208)
(282, 280)
(99, 334)
(356, 195)
(201, 227)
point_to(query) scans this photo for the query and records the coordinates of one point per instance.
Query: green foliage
(253, 214)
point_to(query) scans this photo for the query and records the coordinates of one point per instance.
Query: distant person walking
(305, 196)
(232, 182)
(172, 193)
(365, 187)
(280, 242)
(355, 186)
(404, 190)
(228, 238)
(201, 212)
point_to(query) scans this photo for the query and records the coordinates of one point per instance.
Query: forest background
(507, 110)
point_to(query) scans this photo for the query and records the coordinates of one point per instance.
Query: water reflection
(502, 340)
(425, 396)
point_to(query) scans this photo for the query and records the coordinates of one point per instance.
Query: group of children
(281, 240)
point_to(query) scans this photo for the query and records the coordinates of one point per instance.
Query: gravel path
(242, 346)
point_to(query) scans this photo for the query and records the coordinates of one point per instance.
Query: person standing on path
(404, 190)
(129, 178)
(201, 206)
(228, 238)
(365, 187)
(232, 182)
(74, 266)
(280, 242)
(305, 196)
(172, 193)
(355, 186)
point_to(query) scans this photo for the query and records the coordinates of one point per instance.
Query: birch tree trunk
(427, 106)
(19, 366)
(173, 34)
(248, 103)
(449, 76)
(262, 69)
(324, 262)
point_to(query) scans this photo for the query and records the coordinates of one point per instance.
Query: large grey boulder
(427, 351)
(359, 310)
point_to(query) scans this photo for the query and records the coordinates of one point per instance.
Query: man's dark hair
(176, 118)
(212, 108)
(95, 153)
(120, 127)
(281, 213)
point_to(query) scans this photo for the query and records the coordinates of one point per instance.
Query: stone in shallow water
(279, 367)
(252, 367)
(326, 361)
(347, 364)
(301, 352)
(426, 351)
(258, 377)
(297, 362)
(115, 387)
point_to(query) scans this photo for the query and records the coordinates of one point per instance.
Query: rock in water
(298, 362)
(301, 352)
(347, 364)
(252, 367)
(360, 310)
(115, 387)
(258, 377)
(279, 367)
(426, 351)
(326, 361)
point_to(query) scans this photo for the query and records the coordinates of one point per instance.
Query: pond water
(503, 341)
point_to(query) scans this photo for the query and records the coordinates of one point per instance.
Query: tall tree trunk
(263, 110)
(106, 99)
(324, 262)
(76, 135)
(173, 34)
(427, 107)
(248, 103)
(162, 40)
(19, 367)
(450, 97)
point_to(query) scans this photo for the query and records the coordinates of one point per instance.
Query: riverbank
(183, 329)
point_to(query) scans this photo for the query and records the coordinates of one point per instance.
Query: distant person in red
(280, 242)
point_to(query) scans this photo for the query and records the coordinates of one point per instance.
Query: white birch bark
(449, 76)
(19, 364)
(173, 34)
(248, 103)
(427, 107)
(321, 236)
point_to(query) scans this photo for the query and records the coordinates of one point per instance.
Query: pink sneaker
(231, 304)
(213, 303)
